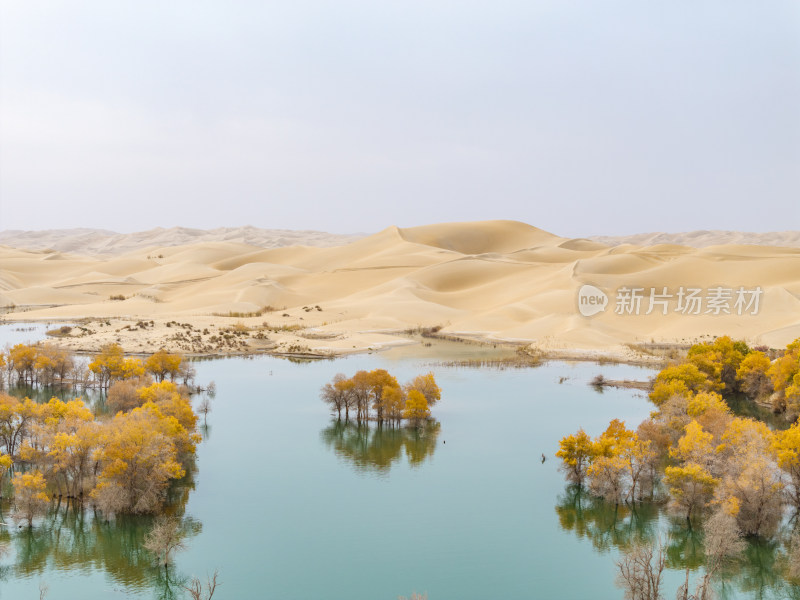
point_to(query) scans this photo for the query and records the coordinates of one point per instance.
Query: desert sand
(101, 242)
(494, 280)
(704, 238)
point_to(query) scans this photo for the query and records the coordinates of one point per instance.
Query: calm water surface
(288, 504)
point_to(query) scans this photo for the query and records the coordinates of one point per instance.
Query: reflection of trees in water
(95, 399)
(758, 574)
(607, 526)
(761, 575)
(75, 537)
(377, 448)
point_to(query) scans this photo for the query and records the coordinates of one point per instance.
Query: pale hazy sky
(581, 117)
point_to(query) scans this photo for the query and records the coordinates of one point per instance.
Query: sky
(579, 117)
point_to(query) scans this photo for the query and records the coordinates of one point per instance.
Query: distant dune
(107, 243)
(496, 279)
(102, 242)
(702, 239)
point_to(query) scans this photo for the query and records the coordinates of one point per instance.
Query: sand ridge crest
(497, 279)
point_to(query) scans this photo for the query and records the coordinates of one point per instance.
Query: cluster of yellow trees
(379, 390)
(42, 363)
(123, 463)
(703, 454)
(730, 367)
(47, 364)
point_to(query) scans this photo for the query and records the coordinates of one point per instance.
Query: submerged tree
(123, 395)
(165, 538)
(138, 457)
(29, 496)
(198, 591)
(576, 453)
(416, 410)
(110, 365)
(722, 542)
(204, 408)
(337, 393)
(640, 571)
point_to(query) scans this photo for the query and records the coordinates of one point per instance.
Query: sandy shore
(497, 282)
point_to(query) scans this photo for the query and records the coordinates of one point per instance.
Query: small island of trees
(379, 390)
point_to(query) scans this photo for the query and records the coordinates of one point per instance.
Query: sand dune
(500, 280)
(102, 242)
(701, 239)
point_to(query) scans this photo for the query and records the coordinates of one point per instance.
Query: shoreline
(204, 337)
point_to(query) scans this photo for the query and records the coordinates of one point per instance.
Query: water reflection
(760, 572)
(95, 399)
(74, 537)
(607, 526)
(376, 448)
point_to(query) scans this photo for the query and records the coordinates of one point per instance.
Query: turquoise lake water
(287, 504)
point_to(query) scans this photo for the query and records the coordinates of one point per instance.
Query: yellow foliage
(666, 389)
(428, 386)
(575, 449)
(393, 402)
(23, 358)
(31, 485)
(416, 406)
(719, 360)
(613, 439)
(130, 368)
(29, 494)
(753, 369)
(695, 445)
(705, 402)
(157, 391)
(783, 370)
(110, 364)
(56, 411)
(691, 486)
(163, 363)
(731, 505)
(793, 389)
(744, 435)
(5, 464)
(138, 457)
(786, 445)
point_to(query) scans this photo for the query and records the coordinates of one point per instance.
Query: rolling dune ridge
(499, 280)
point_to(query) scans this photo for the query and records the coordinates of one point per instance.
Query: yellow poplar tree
(162, 363)
(416, 407)
(29, 495)
(753, 374)
(691, 486)
(787, 451)
(427, 385)
(138, 458)
(576, 452)
(695, 446)
(393, 401)
(683, 380)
